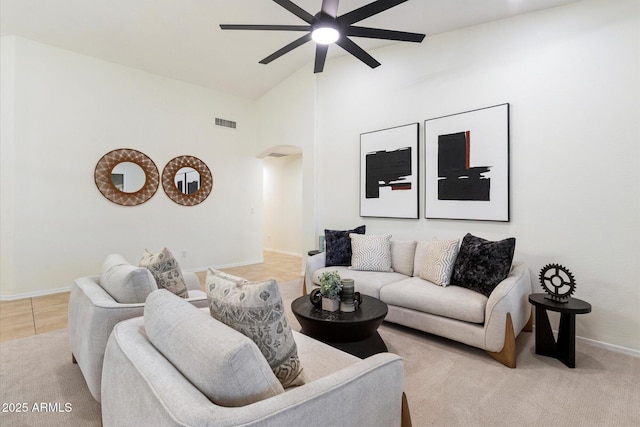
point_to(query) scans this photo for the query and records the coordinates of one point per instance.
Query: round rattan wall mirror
(127, 177)
(187, 180)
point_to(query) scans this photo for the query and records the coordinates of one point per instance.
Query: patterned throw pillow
(338, 246)
(165, 269)
(441, 256)
(482, 264)
(257, 311)
(371, 252)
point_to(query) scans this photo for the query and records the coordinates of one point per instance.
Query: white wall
(572, 77)
(283, 204)
(286, 116)
(65, 111)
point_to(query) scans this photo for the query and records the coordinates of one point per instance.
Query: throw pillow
(165, 269)
(482, 264)
(371, 252)
(257, 311)
(440, 259)
(338, 245)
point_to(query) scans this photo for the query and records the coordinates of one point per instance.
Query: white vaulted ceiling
(181, 39)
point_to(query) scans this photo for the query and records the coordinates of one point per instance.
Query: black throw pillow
(338, 246)
(482, 264)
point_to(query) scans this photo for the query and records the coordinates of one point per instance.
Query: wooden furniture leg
(304, 285)
(508, 354)
(406, 414)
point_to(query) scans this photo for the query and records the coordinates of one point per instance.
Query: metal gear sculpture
(558, 282)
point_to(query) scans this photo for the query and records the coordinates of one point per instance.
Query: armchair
(93, 313)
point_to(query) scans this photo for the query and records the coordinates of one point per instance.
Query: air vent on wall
(225, 123)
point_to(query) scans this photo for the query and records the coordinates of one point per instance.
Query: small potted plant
(330, 288)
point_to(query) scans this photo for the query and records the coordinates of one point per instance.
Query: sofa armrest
(369, 392)
(313, 263)
(92, 315)
(510, 296)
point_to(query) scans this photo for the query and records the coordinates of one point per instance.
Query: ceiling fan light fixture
(325, 35)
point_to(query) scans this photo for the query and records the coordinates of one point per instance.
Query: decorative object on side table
(330, 288)
(349, 299)
(558, 282)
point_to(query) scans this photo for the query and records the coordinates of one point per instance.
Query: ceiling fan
(326, 27)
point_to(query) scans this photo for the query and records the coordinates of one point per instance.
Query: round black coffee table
(355, 332)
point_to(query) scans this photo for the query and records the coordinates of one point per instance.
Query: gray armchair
(93, 312)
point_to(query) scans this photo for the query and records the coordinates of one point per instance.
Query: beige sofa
(453, 312)
(178, 366)
(94, 309)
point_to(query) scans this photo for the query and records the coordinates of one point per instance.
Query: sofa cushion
(451, 301)
(371, 252)
(402, 256)
(338, 246)
(223, 364)
(165, 269)
(482, 264)
(366, 282)
(420, 257)
(256, 310)
(321, 360)
(126, 283)
(440, 258)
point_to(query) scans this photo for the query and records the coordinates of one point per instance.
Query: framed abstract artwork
(467, 165)
(389, 172)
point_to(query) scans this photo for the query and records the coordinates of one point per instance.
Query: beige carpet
(447, 384)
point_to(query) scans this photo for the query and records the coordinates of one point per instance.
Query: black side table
(565, 349)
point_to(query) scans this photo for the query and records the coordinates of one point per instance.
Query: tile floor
(31, 316)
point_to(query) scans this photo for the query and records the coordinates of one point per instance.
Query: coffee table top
(371, 309)
(354, 332)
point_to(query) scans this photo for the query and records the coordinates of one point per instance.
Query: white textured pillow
(370, 252)
(440, 258)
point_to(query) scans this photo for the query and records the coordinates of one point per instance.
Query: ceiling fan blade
(266, 27)
(296, 10)
(330, 7)
(357, 51)
(321, 56)
(288, 48)
(378, 33)
(367, 11)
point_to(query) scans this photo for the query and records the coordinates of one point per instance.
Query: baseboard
(34, 294)
(611, 347)
(282, 252)
(220, 266)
